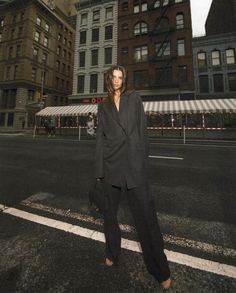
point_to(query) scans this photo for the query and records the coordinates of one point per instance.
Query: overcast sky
(199, 11)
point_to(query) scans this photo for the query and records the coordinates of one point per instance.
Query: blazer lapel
(119, 116)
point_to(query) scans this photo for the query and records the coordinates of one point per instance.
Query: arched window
(162, 24)
(140, 28)
(157, 4)
(179, 21)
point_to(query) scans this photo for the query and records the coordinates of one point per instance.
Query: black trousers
(143, 210)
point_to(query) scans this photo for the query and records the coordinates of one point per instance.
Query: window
(144, 7)
(14, 18)
(59, 37)
(94, 57)
(178, 1)
(31, 94)
(136, 8)
(202, 60)
(165, 2)
(2, 119)
(63, 68)
(80, 84)
(141, 54)
(45, 42)
(0, 37)
(82, 58)
(13, 33)
(157, 4)
(38, 20)
(10, 119)
(45, 58)
(69, 56)
(20, 31)
(109, 12)
(15, 72)
(125, 6)
(58, 50)
(183, 73)
(64, 41)
(96, 15)
(232, 81)
(230, 56)
(125, 50)
(68, 70)
(58, 65)
(141, 79)
(18, 50)
(140, 28)
(47, 27)
(218, 83)
(64, 53)
(35, 53)
(10, 53)
(37, 36)
(95, 35)
(8, 72)
(83, 37)
(162, 49)
(108, 55)
(108, 32)
(93, 83)
(34, 74)
(162, 24)
(215, 58)
(179, 21)
(2, 22)
(181, 47)
(163, 76)
(84, 18)
(203, 84)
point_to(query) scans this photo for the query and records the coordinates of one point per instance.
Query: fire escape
(163, 30)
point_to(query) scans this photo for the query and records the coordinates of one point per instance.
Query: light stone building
(95, 48)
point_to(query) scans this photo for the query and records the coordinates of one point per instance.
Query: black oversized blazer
(122, 142)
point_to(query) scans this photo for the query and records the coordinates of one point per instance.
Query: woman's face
(117, 79)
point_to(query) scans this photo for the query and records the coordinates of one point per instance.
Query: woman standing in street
(121, 162)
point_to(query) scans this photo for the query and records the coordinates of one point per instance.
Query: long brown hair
(108, 82)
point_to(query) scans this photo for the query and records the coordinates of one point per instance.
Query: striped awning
(192, 106)
(68, 110)
(161, 107)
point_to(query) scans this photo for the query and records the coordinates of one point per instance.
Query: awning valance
(161, 107)
(192, 106)
(83, 109)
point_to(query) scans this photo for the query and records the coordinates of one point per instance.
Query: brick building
(36, 58)
(155, 46)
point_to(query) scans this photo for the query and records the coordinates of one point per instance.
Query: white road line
(168, 158)
(183, 259)
(179, 241)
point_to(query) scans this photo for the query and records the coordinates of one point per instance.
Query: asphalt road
(194, 188)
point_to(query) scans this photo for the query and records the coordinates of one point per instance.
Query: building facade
(221, 17)
(155, 46)
(215, 66)
(95, 48)
(36, 60)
